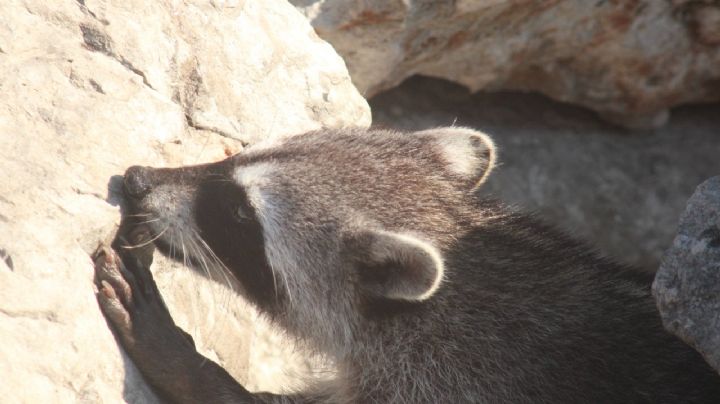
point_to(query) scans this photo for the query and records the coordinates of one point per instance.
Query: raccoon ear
(394, 265)
(469, 153)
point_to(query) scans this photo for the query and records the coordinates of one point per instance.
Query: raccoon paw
(129, 298)
(114, 291)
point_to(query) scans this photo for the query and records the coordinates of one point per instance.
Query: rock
(91, 87)
(704, 21)
(628, 60)
(687, 286)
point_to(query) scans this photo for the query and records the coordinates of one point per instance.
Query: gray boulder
(687, 286)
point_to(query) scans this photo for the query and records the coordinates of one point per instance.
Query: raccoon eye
(239, 214)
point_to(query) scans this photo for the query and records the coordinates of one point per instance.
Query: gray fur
(520, 313)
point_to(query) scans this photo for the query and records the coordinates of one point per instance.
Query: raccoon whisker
(209, 263)
(130, 247)
(202, 256)
(199, 256)
(215, 267)
(217, 178)
(184, 252)
(182, 249)
(173, 251)
(139, 215)
(189, 258)
(203, 259)
(172, 245)
(224, 270)
(157, 219)
(216, 264)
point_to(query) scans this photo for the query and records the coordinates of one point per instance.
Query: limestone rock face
(628, 60)
(90, 87)
(687, 286)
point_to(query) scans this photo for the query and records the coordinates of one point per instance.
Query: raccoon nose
(137, 182)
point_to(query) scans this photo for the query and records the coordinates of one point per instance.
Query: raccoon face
(318, 226)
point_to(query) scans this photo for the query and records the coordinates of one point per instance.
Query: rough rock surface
(623, 191)
(629, 60)
(687, 286)
(91, 87)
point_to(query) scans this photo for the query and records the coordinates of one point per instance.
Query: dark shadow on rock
(7, 258)
(135, 388)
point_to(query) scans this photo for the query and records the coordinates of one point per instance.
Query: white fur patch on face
(256, 180)
(252, 178)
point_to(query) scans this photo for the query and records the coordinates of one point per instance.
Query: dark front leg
(165, 354)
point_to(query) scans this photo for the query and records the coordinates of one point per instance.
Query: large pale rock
(687, 286)
(92, 87)
(628, 60)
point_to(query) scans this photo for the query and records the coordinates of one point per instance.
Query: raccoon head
(321, 226)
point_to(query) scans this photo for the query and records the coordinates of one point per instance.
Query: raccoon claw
(114, 290)
(110, 271)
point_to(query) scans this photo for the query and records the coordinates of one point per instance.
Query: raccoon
(375, 249)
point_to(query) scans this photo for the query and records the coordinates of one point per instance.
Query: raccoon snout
(136, 183)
